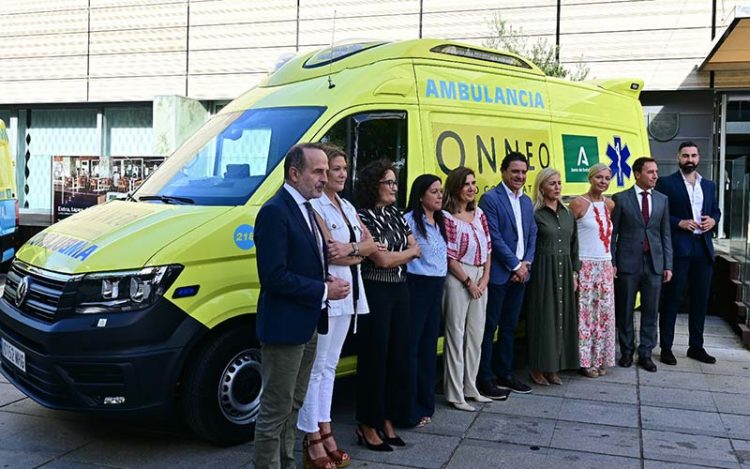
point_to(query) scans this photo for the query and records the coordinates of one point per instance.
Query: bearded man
(694, 212)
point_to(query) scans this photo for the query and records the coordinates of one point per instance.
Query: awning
(731, 51)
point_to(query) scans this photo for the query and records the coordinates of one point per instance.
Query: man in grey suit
(642, 256)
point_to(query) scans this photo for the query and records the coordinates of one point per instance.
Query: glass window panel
(129, 131)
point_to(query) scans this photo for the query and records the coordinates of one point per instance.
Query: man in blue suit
(294, 288)
(510, 216)
(694, 211)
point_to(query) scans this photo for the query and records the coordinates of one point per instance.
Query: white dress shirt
(515, 204)
(301, 206)
(695, 192)
(638, 192)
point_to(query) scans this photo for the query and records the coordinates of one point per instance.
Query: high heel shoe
(362, 441)
(394, 441)
(339, 457)
(323, 462)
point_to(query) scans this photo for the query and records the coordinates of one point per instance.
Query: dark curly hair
(367, 185)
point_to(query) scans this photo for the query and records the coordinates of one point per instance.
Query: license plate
(14, 355)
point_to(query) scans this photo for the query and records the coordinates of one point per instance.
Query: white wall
(132, 50)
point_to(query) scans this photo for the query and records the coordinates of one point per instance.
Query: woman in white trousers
(348, 242)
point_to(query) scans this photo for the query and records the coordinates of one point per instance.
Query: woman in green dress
(551, 313)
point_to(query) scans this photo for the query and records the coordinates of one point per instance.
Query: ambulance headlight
(122, 291)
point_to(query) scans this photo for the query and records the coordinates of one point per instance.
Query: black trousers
(383, 391)
(426, 297)
(693, 272)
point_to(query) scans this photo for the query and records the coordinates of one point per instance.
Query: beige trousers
(464, 330)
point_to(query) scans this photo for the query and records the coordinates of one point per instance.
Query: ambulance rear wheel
(222, 389)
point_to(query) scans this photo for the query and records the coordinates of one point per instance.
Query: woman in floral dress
(596, 297)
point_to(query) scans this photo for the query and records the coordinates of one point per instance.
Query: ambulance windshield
(229, 157)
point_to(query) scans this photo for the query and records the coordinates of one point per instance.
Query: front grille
(94, 374)
(49, 297)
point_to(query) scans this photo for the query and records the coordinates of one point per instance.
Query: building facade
(80, 77)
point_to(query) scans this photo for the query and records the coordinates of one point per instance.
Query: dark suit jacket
(629, 231)
(291, 274)
(502, 224)
(673, 186)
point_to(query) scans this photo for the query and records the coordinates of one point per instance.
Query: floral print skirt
(596, 314)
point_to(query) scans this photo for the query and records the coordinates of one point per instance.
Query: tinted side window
(369, 136)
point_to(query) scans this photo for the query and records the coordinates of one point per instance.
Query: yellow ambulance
(8, 200)
(147, 304)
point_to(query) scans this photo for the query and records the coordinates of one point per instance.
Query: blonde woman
(551, 313)
(596, 290)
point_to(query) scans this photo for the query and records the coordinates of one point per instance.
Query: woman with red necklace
(596, 297)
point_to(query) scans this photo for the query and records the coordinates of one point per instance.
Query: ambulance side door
(369, 134)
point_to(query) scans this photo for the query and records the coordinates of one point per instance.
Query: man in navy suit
(510, 216)
(294, 288)
(694, 211)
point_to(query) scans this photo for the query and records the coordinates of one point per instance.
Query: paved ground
(685, 416)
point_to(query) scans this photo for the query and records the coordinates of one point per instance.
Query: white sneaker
(481, 399)
(463, 406)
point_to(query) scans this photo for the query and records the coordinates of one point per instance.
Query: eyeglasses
(389, 182)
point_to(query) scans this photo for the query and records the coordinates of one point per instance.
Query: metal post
(722, 161)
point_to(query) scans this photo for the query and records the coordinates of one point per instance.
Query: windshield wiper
(167, 199)
(129, 196)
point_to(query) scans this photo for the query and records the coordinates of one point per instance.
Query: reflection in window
(369, 136)
(227, 159)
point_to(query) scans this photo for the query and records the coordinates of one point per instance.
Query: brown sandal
(538, 379)
(553, 378)
(323, 462)
(339, 456)
(590, 372)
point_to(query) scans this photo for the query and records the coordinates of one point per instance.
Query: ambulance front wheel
(222, 388)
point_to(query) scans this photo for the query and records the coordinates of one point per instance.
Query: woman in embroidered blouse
(465, 297)
(596, 297)
(425, 278)
(383, 338)
(347, 241)
(551, 314)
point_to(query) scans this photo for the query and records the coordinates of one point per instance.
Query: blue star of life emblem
(619, 155)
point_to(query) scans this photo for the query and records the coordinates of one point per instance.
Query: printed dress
(596, 295)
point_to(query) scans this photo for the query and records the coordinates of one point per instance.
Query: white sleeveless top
(590, 244)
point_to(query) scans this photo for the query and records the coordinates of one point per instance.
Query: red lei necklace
(606, 237)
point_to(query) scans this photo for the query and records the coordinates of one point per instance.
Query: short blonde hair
(598, 167)
(543, 176)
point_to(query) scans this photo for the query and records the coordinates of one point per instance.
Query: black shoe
(626, 360)
(395, 441)
(647, 364)
(667, 357)
(512, 384)
(489, 389)
(362, 441)
(700, 354)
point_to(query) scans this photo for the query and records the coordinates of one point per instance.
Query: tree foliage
(505, 37)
